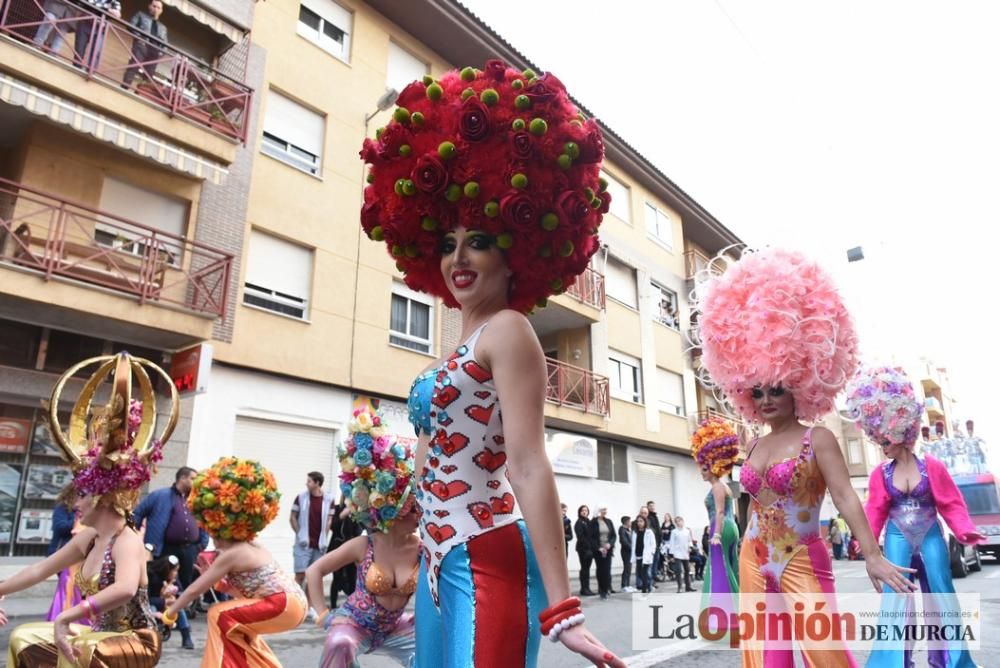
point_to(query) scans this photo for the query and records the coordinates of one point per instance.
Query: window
(327, 25)
(626, 377)
(292, 133)
(854, 451)
(612, 462)
(279, 275)
(619, 281)
(666, 306)
(659, 226)
(403, 69)
(410, 319)
(671, 392)
(64, 349)
(150, 208)
(621, 205)
(19, 344)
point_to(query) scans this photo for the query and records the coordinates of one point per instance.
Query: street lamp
(387, 100)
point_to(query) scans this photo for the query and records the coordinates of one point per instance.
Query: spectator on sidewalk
(654, 523)
(625, 543)
(836, 539)
(343, 530)
(602, 540)
(169, 525)
(311, 520)
(146, 44)
(567, 527)
(680, 550)
(643, 545)
(584, 550)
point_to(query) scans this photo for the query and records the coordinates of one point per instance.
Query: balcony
(52, 237)
(934, 409)
(117, 54)
(588, 288)
(578, 388)
(694, 262)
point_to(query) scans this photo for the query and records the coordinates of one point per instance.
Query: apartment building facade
(313, 319)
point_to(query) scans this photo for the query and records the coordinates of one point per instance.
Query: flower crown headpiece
(496, 150)
(376, 472)
(883, 403)
(111, 449)
(716, 446)
(234, 499)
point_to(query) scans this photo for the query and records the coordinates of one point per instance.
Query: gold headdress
(111, 449)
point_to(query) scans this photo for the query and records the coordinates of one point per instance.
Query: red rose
(393, 136)
(369, 151)
(414, 92)
(521, 145)
(474, 121)
(592, 144)
(517, 209)
(606, 198)
(572, 207)
(429, 175)
(544, 89)
(496, 69)
(370, 213)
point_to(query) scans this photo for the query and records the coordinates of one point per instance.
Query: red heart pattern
(480, 414)
(482, 394)
(440, 533)
(451, 444)
(445, 491)
(476, 372)
(445, 395)
(441, 513)
(489, 460)
(493, 484)
(502, 505)
(449, 468)
(482, 514)
(498, 439)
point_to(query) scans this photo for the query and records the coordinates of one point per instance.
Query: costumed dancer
(376, 479)
(905, 495)
(486, 189)
(112, 453)
(65, 524)
(715, 447)
(778, 342)
(233, 500)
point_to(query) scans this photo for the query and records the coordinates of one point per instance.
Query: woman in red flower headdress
(485, 188)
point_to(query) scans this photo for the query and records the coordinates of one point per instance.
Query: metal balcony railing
(589, 289)
(58, 237)
(569, 385)
(114, 51)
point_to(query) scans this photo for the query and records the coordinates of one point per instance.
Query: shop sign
(571, 454)
(14, 435)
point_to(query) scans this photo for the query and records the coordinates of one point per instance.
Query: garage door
(290, 451)
(656, 483)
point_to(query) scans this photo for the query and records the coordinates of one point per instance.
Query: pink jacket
(949, 501)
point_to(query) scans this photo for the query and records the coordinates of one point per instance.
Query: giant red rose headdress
(496, 150)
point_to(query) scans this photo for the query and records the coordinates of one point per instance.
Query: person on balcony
(88, 42)
(146, 50)
(51, 34)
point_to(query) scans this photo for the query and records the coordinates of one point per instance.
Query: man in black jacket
(654, 524)
(567, 528)
(150, 33)
(625, 543)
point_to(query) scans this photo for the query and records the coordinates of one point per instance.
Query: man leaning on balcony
(145, 46)
(89, 55)
(52, 32)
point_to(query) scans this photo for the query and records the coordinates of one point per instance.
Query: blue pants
(934, 572)
(490, 593)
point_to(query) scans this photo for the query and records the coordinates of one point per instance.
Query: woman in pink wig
(779, 343)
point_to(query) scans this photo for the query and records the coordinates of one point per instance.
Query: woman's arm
(218, 570)
(71, 553)
(351, 551)
(512, 352)
(834, 471)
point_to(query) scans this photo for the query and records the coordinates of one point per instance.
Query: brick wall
(451, 329)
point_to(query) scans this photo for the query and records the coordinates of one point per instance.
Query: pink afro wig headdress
(884, 404)
(775, 318)
(496, 150)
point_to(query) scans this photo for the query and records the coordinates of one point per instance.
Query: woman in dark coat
(584, 548)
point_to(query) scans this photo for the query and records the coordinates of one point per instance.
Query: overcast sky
(817, 126)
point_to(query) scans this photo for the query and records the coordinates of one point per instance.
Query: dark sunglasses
(773, 392)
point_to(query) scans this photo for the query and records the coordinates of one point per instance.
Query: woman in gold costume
(113, 454)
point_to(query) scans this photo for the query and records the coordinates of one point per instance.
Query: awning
(63, 111)
(233, 33)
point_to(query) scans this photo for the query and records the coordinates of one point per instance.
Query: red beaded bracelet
(562, 606)
(555, 619)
